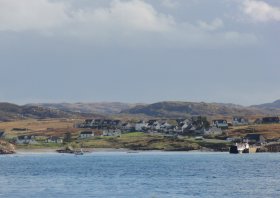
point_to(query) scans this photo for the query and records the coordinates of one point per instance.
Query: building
(255, 139)
(129, 127)
(26, 139)
(237, 121)
(270, 120)
(86, 134)
(213, 131)
(112, 132)
(54, 139)
(220, 124)
(141, 126)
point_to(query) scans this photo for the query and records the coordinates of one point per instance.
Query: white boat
(81, 152)
(240, 148)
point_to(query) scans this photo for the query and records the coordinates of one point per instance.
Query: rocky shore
(6, 148)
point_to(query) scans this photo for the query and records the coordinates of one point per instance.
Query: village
(217, 134)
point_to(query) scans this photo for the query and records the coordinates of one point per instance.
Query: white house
(239, 121)
(139, 126)
(220, 124)
(54, 139)
(111, 132)
(86, 134)
(26, 139)
(128, 127)
(213, 131)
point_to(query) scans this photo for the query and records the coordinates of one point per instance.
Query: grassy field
(269, 131)
(140, 141)
(50, 127)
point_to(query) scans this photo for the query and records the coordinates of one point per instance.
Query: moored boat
(239, 148)
(81, 152)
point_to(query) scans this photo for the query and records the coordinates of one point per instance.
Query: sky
(140, 51)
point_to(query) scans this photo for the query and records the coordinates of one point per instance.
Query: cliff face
(6, 148)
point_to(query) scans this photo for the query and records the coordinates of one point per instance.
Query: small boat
(79, 152)
(239, 148)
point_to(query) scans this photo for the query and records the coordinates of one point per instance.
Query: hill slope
(98, 107)
(10, 111)
(183, 109)
(271, 108)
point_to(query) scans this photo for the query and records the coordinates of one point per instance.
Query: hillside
(98, 107)
(269, 108)
(183, 109)
(10, 111)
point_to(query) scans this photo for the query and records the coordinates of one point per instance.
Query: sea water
(137, 175)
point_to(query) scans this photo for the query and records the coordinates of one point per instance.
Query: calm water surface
(135, 175)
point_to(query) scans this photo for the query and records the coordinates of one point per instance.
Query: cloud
(170, 3)
(31, 15)
(214, 25)
(45, 14)
(134, 15)
(119, 22)
(261, 11)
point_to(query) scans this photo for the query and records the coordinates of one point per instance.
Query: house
(86, 134)
(237, 121)
(151, 123)
(54, 139)
(111, 132)
(255, 138)
(270, 120)
(213, 131)
(88, 123)
(128, 127)
(97, 123)
(106, 123)
(141, 126)
(185, 126)
(115, 123)
(26, 139)
(166, 127)
(220, 124)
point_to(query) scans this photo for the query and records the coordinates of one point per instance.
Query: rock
(6, 148)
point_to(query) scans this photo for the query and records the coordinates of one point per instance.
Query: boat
(239, 148)
(81, 152)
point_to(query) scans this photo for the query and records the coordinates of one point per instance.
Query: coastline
(47, 150)
(109, 150)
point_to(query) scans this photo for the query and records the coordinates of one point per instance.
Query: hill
(98, 107)
(269, 108)
(183, 109)
(10, 111)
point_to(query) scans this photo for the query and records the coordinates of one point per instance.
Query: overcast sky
(140, 50)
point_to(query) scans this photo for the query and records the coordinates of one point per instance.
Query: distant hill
(269, 108)
(10, 111)
(167, 109)
(272, 105)
(98, 107)
(183, 109)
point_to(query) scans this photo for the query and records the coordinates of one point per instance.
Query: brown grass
(47, 127)
(269, 131)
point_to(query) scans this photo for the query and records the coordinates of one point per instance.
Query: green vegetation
(140, 141)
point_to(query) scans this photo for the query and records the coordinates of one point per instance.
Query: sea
(140, 175)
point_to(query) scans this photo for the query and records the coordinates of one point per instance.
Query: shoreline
(109, 150)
